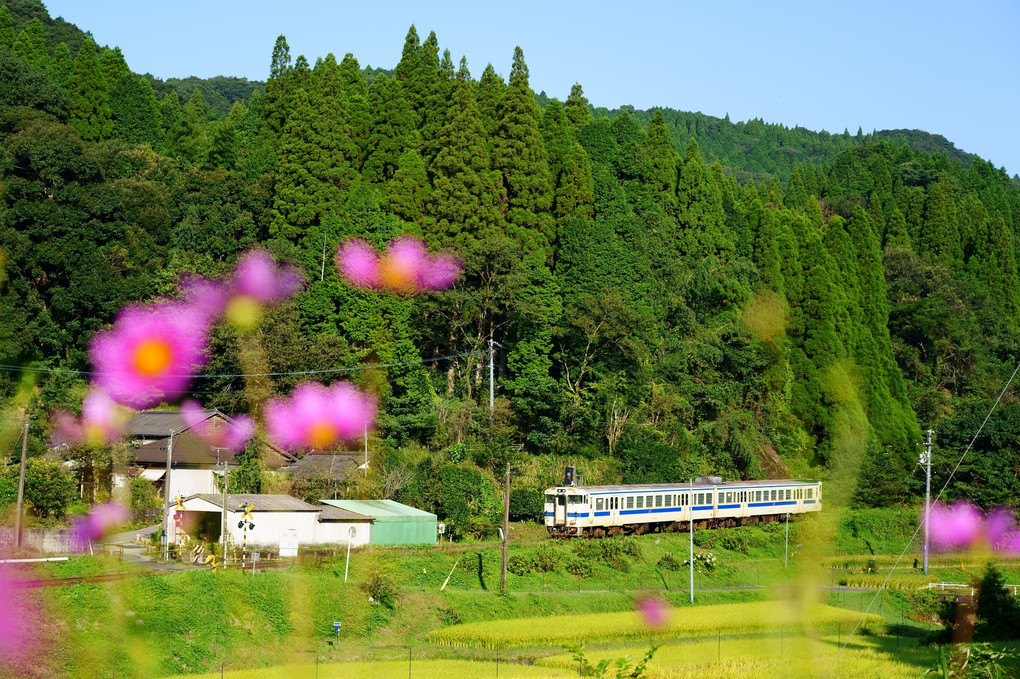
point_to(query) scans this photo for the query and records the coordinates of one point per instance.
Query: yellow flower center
(321, 435)
(396, 277)
(153, 357)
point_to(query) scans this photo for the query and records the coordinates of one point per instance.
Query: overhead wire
(89, 373)
(921, 524)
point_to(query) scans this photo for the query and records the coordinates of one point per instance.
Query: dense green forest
(673, 293)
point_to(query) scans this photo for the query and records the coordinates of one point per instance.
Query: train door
(560, 510)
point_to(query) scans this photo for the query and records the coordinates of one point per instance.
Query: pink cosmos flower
(359, 264)
(100, 522)
(151, 353)
(654, 611)
(101, 423)
(208, 296)
(441, 272)
(233, 434)
(405, 268)
(317, 417)
(963, 525)
(257, 275)
(13, 622)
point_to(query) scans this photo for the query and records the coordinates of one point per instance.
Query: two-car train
(709, 502)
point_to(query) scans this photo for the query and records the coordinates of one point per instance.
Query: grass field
(743, 618)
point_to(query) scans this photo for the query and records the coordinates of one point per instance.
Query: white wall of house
(186, 482)
(338, 533)
(270, 527)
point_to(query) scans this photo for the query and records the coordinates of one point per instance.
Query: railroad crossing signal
(211, 560)
(180, 503)
(247, 512)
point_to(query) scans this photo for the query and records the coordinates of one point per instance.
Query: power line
(89, 373)
(918, 529)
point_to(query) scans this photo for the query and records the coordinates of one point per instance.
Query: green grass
(742, 618)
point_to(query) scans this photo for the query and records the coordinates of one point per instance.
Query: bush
(670, 562)
(49, 487)
(616, 554)
(546, 559)
(382, 586)
(580, 567)
(527, 504)
(144, 495)
(520, 564)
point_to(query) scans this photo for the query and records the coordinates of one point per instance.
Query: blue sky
(947, 68)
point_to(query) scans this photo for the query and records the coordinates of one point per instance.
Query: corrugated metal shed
(393, 523)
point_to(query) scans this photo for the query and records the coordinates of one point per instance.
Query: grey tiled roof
(262, 503)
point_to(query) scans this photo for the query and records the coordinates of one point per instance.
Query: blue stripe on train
(771, 504)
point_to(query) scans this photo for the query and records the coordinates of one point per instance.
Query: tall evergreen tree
(135, 111)
(90, 99)
(940, 237)
(6, 28)
(467, 199)
(557, 136)
(392, 129)
(576, 107)
(278, 88)
(896, 235)
(409, 191)
(701, 219)
(61, 65)
(663, 162)
(520, 157)
(575, 195)
(488, 94)
(796, 197)
(30, 44)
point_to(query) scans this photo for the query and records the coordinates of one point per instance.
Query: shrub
(526, 504)
(580, 567)
(670, 561)
(546, 559)
(520, 564)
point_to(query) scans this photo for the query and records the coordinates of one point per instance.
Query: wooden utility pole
(166, 498)
(21, 484)
(506, 529)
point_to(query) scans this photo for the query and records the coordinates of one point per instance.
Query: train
(574, 510)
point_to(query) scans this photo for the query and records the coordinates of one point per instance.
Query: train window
(787, 494)
(640, 501)
(550, 499)
(598, 504)
(648, 501)
(658, 500)
(809, 493)
(757, 496)
(630, 502)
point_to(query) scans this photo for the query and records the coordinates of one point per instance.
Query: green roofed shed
(393, 523)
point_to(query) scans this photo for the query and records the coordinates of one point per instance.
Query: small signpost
(336, 631)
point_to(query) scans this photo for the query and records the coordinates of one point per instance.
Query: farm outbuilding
(392, 523)
(281, 521)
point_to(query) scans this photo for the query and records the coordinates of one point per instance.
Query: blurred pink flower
(406, 267)
(13, 619)
(257, 275)
(654, 611)
(233, 434)
(207, 296)
(441, 272)
(963, 525)
(316, 417)
(101, 423)
(100, 522)
(359, 264)
(151, 353)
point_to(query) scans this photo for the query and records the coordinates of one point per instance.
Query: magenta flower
(258, 276)
(208, 296)
(13, 619)
(101, 423)
(359, 264)
(100, 522)
(233, 434)
(405, 268)
(441, 272)
(963, 525)
(151, 353)
(654, 611)
(316, 417)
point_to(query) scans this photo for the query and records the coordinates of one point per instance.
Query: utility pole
(166, 498)
(926, 461)
(506, 528)
(691, 505)
(492, 387)
(21, 484)
(223, 528)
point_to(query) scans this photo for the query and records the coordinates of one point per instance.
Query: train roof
(682, 485)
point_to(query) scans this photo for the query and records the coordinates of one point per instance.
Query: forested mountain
(672, 293)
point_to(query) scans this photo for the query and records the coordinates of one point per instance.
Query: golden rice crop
(742, 618)
(448, 669)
